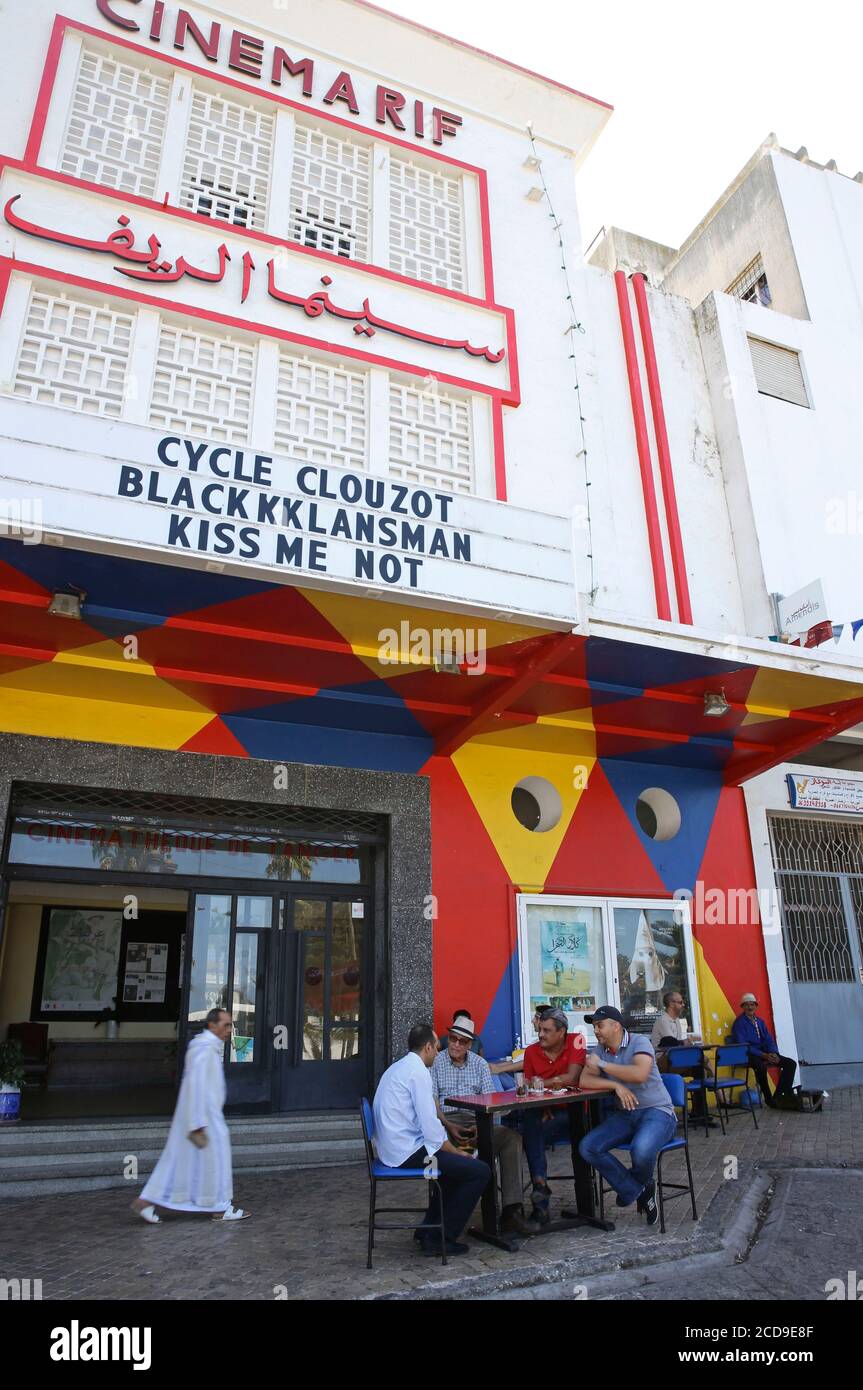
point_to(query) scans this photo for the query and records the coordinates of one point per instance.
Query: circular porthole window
(658, 814)
(536, 803)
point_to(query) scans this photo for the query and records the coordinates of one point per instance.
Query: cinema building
(385, 591)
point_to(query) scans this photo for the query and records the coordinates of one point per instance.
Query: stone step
(130, 1137)
(113, 1162)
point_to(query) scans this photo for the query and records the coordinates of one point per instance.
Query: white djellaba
(188, 1178)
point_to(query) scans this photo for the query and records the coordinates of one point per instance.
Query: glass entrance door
(325, 1063)
(292, 968)
(229, 968)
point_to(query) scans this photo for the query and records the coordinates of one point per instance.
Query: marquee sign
(196, 502)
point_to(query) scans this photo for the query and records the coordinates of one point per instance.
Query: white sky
(696, 86)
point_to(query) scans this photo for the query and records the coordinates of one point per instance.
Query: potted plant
(109, 1017)
(11, 1081)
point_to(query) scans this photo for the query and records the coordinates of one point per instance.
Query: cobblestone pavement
(308, 1233)
(812, 1233)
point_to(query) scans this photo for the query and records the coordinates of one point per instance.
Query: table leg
(584, 1211)
(490, 1231)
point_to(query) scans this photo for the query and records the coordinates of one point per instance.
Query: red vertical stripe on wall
(651, 513)
(672, 516)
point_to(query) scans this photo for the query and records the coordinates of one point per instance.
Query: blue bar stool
(379, 1172)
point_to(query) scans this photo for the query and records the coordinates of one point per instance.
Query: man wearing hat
(459, 1071)
(624, 1063)
(753, 1032)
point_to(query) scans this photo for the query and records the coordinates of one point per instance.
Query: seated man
(557, 1058)
(511, 1067)
(408, 1133)
(670, 1026)
(476, 1044)
(751, 1030)
(625, 1064)
(460, 1072)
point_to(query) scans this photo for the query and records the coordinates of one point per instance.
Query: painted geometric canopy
(174, 657)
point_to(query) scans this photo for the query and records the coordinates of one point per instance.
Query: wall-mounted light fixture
(715, 706)
(67, 605)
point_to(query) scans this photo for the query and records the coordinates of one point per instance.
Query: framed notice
(79, 952)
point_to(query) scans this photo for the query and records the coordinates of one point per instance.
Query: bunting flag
(838, 629)
(855, 627)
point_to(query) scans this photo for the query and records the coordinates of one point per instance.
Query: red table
(584, 1114)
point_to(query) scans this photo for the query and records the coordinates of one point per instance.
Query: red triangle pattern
(600, 848)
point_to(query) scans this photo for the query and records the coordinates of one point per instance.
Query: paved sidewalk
(307, 1238)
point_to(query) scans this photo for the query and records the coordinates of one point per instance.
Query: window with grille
(751, 285)
(778, 372)
(430, 438)
(426, 225)
(73, 354)
(331, 193)
(321, 412)
(229, 154)
(817, 863)
(116, 125)
(203, 385)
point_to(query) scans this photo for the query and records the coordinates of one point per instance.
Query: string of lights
(575, 326)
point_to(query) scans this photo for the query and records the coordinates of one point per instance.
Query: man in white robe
(194, 1170)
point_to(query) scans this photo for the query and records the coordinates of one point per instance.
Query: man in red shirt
(557, 1058)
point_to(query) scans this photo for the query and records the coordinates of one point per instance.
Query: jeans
(462, 1182)
(647, 1130)
(537, 1133)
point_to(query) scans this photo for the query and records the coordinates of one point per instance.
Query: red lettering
(105, 9)
(343, 90)
(246, 53)
(419, 120)
(32, 833)
(388, 106)
(156, 23)
(305, 66)
(444, 123)
(209, 47)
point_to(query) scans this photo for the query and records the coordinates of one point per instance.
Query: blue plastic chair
(691, 1059)
(380, 1172)
(736, 1055)
(676, 1089)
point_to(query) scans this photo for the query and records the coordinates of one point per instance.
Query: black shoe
(647, 1203)
(626, 1202)
(541, 1200)
(453, 1247)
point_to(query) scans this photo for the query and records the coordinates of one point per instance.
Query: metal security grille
(203, 385)
(72, 803)
(751, 284)
(426, 225)
(430, 438)
(805, 843)
(331, 193)
(813, 860)
(73, 354)
(116, 125)
(229, 154)
(321, 412)
(778, 372)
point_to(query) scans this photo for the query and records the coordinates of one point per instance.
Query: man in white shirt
(409, 1134)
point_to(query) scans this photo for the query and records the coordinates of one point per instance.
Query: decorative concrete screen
(229, 154)
(116, 124)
